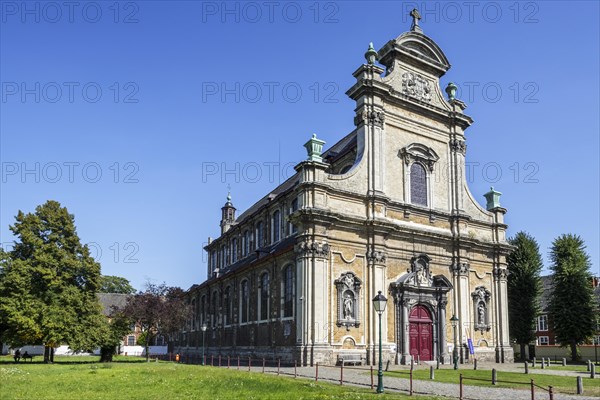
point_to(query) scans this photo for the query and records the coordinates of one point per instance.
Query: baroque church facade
(387, 208)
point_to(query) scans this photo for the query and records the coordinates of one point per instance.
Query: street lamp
(379, 302)
(203, 327)
(454, 322)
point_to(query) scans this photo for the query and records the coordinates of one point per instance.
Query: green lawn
(85, 378)
(562, 384)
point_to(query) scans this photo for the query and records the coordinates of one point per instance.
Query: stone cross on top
(415, 21)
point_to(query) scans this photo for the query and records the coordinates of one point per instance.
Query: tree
(572, 304)
(159, 310)
(115, 284)
(119, 325)
(524, 288)
(49, 284)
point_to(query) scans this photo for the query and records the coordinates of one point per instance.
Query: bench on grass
(28, 356)
(349, 358)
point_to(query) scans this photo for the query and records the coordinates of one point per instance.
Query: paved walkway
(361, 377)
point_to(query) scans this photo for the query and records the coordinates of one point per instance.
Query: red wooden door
(421, 333)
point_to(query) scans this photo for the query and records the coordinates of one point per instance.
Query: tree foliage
(115, 284)
(524, 288)
(119, 325)
(49, 284)
(159, 310)
(572, 307)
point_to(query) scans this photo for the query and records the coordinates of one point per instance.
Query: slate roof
(547, 286)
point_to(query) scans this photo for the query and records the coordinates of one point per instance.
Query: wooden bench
(349, 358)
(26, 356)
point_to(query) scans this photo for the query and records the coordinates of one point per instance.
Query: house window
(259, 234)
(542, 323)
(276, 226)
(227, 301)
(222, 257)
(543, 341)
(418, 184)
(213, 317)
(130, 340)
(244, 302)
(246, 244)
(263, 302)
(288, 292)
(234, 250)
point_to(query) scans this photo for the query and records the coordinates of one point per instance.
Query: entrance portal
(421, 333)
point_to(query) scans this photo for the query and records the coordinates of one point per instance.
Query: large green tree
(159, 310)
(115, 284)
(524, 288)
(572, 304)
(49, 284)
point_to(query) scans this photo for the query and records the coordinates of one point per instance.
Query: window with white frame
(244, 292)
(130, 340)
(542, 323)
(276, 225)
(543, 340)
(263, 301)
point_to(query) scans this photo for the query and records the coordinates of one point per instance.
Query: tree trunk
(52, 354)
(523, 357)
(574, 351)
(46, 354)
(106, 353)
(147, 346)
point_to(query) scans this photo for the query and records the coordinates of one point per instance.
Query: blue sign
(470, 343)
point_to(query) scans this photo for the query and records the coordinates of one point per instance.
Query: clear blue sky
(171, 102)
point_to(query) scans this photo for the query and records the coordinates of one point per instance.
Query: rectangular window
(130, 340)
(244, 302)
(288, 292)
(264, 296)
(259, 235)
(543, 341)
(542, 323)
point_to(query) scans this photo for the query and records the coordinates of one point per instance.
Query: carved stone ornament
(500, 273)
(460, 268)
(419, 265)
(414, 85)
(419, 152)
(376, 118)
(459, 146)
(313, 248)
(376, 256)
(481, 299)
(348, 295)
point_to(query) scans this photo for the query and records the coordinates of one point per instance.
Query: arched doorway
(421, 333)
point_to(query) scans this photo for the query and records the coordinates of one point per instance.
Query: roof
(110, 300)
(547, 286)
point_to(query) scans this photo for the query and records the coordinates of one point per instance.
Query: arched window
(227, 300)
(246, 244)
(259, 234)
(233, 250)
(276, 227)
(288, 292)
(203, 310)
(418, 184)
(244, 301)
(214, 309)
(263, 301)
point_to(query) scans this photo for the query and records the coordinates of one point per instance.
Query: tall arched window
(244, 301)
(227, 301)
(259, 234)
(215, 309)
(418, 184)
(263, 302)
(203, 310)
(246, 244)
(276, 226)
(288, 292)
(233, 250)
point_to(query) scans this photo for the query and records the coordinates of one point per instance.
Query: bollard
(588, 365)
(579, 385)
(548, 362)
(551, 392)
(263, 371)
(278, 365)
(387, 365)
(592, 371)
(412, 364)
(437, 366)
(342, 373)
(317, 372)
(431, 373)
(418, 360)
(411, 383)
(532, 390)
(460, 396)
(543, 363)
(564, 362)
(475, 364)
(526, 367)
(371, 377)
(534, 362)
(494, 376)
(295, 366)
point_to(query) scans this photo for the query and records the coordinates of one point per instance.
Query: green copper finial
(493, 199)
(371, 54)
(451, 91)
(314, 148)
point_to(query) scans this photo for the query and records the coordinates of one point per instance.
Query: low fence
(494, 381)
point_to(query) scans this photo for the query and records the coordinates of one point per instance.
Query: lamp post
(203, 327)
(454, 322)
(379, 302)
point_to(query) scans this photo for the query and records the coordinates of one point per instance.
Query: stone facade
(387, 208)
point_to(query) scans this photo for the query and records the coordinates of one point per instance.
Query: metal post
(532, 390)
(411, 382)
(475, 364)
(295, 372)
(380, 371)
(431, 373)
(372, 386)
(551, 392)
(317, 372)
(494, 376)
(342, 374)
(460, 395)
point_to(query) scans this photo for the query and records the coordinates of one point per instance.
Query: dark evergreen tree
(572, 307)
(49, 284)
(524, 288)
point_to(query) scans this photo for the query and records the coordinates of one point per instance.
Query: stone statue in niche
(481, 314)
(481, 301)
(348, 294)
(348, 306)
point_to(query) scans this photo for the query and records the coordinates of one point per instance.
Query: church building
(387, 208)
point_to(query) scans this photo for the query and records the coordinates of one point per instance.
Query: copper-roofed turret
(227, 215)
